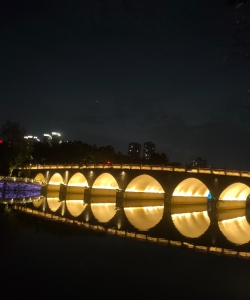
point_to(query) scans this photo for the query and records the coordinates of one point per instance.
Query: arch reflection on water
(75, 204)
(191, 221)
(143, 214)
(103, 208)
(53, 201)
(37, 203)
(234, 226)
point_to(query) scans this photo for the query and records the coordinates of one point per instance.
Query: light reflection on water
(192, 222)
(144, 218)
(103, 208)
(236, 230)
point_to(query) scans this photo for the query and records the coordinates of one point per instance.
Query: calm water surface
(46, 259)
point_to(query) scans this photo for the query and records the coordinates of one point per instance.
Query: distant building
(198, 163)
(52, 139)
(47, 138)
(30, 142)
(56, 138)
(134, 150)
(148, 150)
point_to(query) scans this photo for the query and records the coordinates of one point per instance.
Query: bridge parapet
(237, 173)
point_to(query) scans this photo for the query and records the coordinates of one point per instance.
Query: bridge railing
(20, 179)
(140, 167)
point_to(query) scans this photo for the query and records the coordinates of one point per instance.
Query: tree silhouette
(13, 150)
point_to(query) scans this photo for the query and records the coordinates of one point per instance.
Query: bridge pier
(120, 199)
(87, 195)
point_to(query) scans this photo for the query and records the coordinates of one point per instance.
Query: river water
(139, 249)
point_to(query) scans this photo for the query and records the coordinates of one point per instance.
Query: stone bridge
(172, 185)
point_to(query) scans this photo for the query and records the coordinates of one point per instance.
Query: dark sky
(120, 71)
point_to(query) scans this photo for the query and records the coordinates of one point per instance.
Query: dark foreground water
(42, 259)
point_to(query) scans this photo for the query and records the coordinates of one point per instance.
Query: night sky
(120, 71)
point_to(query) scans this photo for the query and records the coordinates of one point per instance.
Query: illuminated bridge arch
(54, 183)
(105, 184)
(190, 191)
(40, 177)
(77, 183)
(234, 196)
(144, 186)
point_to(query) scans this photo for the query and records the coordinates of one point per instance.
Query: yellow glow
(56, 179)
(63, 208)
(193, 224)
(146, 184)
(103, 199)
(105, 181)
(39, 177)
(53, 203)
(191, 187)
(236, 191)
(75, 207)
(130, 202)
(144, 218)
(78, 179)
(184, 200)
(37, 203)
(182, 209)
(227, 214)
(236, 230)
(103, 212)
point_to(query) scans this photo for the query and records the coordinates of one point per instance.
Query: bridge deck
(227, 172)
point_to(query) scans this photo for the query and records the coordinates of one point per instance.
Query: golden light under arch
(191, 187)
(105, 181)
(53, 203)
(40, 177)
(236, 230)
(75, 207)
(103, 212)
(191, 225)
(144, 218)
(56, 179)
(38, 202)
(235, 192)
(78, 179)
(146, 184)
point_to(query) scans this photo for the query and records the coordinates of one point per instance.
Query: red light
(108, 162)
(1, 141)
